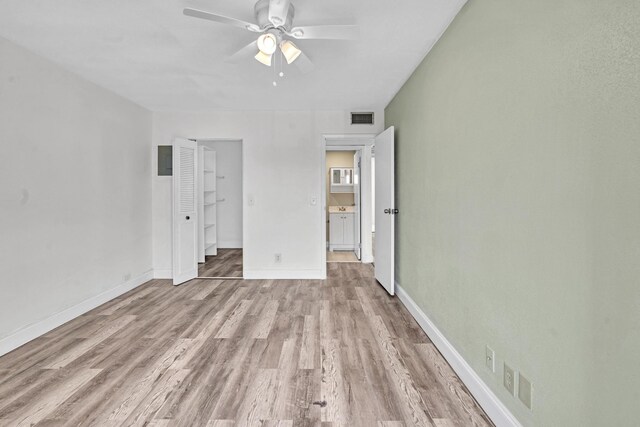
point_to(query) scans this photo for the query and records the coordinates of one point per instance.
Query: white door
(185, 224)
(356, 198)
(385, 210)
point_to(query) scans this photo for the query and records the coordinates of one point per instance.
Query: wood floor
(228, 263)
(342, 256)
(328, 353)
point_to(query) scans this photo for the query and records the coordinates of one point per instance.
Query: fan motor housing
(262, 16)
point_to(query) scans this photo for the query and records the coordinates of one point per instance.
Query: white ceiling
(149, 52)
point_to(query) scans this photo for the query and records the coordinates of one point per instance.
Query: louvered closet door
(185, 224)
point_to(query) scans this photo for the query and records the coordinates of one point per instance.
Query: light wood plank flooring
(338, 352)
(228, 263)
(342, 256)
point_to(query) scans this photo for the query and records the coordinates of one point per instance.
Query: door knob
(387, 211)
(188, 218)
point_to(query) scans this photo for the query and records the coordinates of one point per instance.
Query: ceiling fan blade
(246, 52)
(222, 19)
(327, 32)
(304, 64)
(278, 10)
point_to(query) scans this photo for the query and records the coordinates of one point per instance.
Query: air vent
(361, 118)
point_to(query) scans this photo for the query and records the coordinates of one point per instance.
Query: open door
(385, 210)
(185, 224)
(357, 208)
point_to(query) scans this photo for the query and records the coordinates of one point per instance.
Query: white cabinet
(341, 231)
(341, 180)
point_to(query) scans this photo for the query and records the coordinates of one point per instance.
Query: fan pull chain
(281, 56)
(275, 83)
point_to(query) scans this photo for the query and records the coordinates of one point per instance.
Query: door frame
(244, 195)
(349, 142)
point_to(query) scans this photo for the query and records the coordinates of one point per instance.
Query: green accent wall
(518, 184)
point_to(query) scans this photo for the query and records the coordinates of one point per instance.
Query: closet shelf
(209, 225)
(210, 204)
(209, 191)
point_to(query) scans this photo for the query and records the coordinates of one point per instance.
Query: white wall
(229, 188)
(282, 171)
(75, 192)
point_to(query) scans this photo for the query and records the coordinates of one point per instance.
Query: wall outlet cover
(490, 359)
(509, 379)
(525, 390)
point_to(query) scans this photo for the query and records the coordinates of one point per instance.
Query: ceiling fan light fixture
(290, 51)
(264, 58)
(267, 43)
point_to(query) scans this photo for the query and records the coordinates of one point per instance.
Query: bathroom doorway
(347, 198)
(343, 206)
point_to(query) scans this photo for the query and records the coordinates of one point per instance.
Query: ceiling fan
(275, 25)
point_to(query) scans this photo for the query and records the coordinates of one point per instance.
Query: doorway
(221, 217)
(342, 206)
(377, 193)
(346, 186)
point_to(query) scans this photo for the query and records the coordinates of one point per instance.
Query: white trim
(162, 274)
(230, 244)
(40, 328)
(494, 408)
(349, 139)
(285, 274)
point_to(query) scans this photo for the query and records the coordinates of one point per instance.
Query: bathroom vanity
(341, 228)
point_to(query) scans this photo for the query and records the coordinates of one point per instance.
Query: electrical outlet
(278, 258)
(489, 360)
(251, 200)
(313, 201)
(524, 390)
(509, 379)
(126, 277)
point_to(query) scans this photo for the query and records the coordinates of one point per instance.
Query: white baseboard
(230, 244)
(163, 274)
(284, 274)
(31, 332)
(495, 409)
(262, 274)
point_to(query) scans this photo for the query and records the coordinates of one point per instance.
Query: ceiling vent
(361, 118)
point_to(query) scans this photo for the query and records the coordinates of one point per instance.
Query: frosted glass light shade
(290, 51)
(264, 58)
(267, 43)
